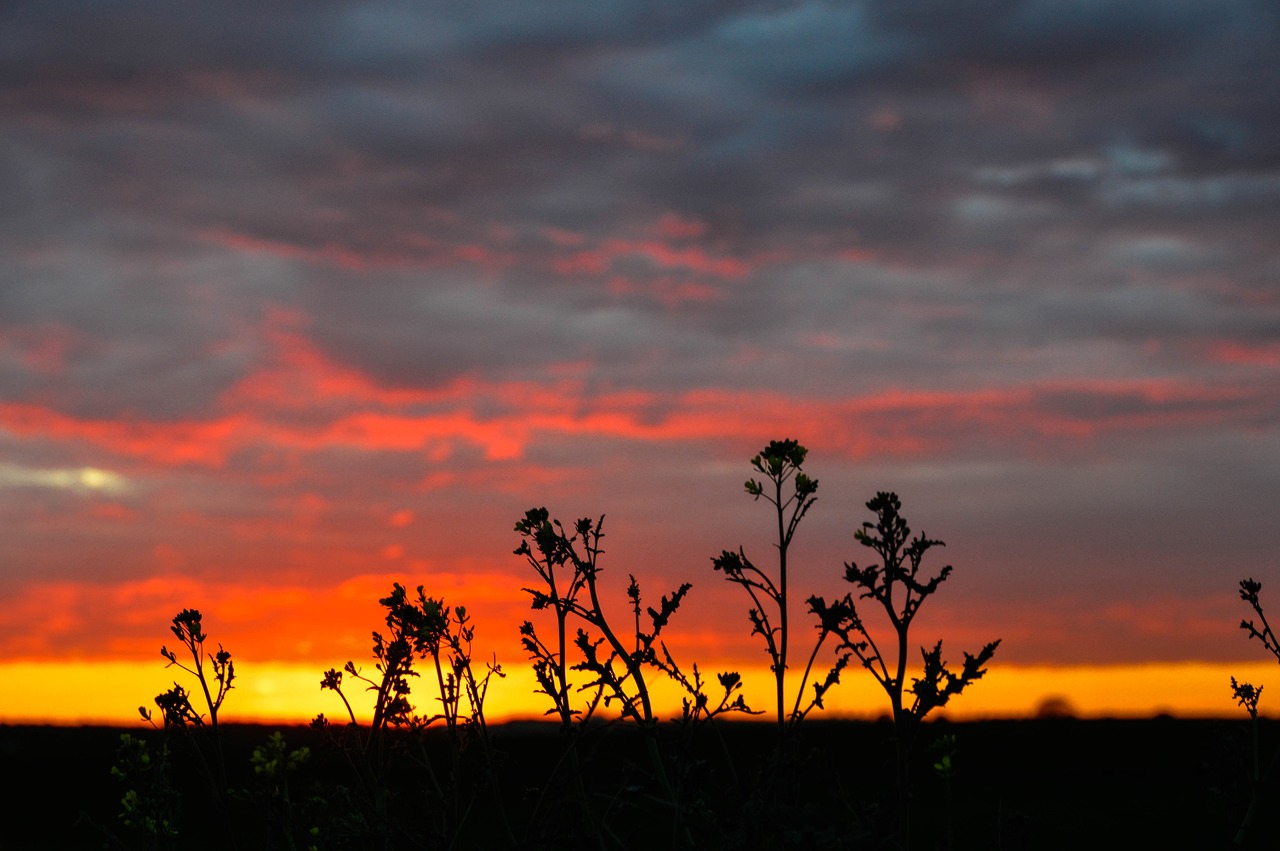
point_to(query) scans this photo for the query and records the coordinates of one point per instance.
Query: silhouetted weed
(780, 462)
(895, 584)
(898, 587)
(395, 744)
(568, 563)
(1264, 792)
(215, 675)
(431, 776)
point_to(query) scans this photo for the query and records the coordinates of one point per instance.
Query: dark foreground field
(1043, 784)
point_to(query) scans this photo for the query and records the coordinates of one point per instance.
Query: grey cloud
(1224, 191)
(351, 138)
(512, 138)
(426, 331)
(1050, 34)
(808, 45)
(141, 334)
(1165, 254)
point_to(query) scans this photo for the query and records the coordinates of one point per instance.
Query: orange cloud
(299, 374)
(344, 407)
(604, 257)
(894, 422)
(203, 443)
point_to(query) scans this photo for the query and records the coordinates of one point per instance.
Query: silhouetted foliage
(898, 587)
(780, 462)
(419, 629)
(215, 674)
(1248, 696)
(1249, 591)
(415, 776)
(568, 563)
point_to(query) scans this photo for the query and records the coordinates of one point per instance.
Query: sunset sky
(301, 299)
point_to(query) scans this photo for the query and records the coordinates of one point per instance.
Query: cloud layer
(273, 277)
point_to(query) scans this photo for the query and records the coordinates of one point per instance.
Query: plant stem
(780, 664)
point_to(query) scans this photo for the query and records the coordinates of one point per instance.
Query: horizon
(290, 696)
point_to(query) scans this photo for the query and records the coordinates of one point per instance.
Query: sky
(298, 300)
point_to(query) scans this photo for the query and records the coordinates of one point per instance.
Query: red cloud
(189, 442)
(301, 400)
(891, 422)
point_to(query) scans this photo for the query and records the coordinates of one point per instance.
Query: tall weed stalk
(1248, 696)
(568, 563)
(898, 587)
(791, 493)
(215, 675)
(421, 628)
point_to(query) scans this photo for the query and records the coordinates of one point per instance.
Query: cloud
(83, 480)
(292, 275)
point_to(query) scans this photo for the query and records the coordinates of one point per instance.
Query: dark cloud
(1052, 35)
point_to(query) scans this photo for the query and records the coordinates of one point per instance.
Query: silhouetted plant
(696, 706)
(447, 638)
(898, 587)
(175, 703)
(780, 462)
(367, 752)
(833, 620)
(562, 585)
(771, 811)
(550, 556)
(1248, 696)
(1249, 591)
(419, 772)
(215, 674)
(427, 629)
(616, 672)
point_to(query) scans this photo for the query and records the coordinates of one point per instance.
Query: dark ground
(1036, 784)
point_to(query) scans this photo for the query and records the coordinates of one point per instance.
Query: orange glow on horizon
(110, 692)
